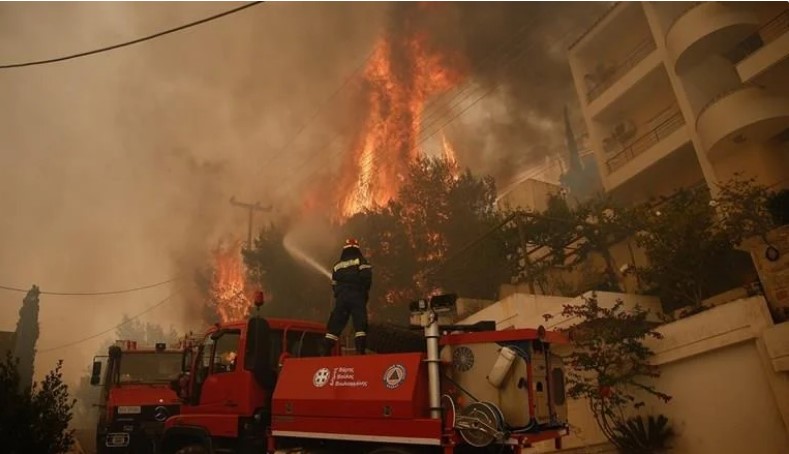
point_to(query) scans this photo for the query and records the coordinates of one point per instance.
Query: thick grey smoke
(516, 52)
(116, 170)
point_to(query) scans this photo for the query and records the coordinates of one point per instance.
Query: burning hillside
(402, 75)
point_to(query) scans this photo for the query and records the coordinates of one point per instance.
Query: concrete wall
(727, 370)
(530, 195)
(522, 310)
(774, 275)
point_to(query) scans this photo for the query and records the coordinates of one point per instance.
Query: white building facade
(678, 94)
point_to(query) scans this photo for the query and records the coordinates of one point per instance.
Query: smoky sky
(116, 169)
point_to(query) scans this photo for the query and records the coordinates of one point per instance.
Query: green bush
(34, 420)
(636, 436)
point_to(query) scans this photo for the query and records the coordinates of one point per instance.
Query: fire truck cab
(253, 388)
(135, 397)
(228, 379)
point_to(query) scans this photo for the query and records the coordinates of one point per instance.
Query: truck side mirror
(95, 374)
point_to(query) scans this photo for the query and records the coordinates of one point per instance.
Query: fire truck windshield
(149, 367)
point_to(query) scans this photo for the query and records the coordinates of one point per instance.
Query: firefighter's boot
(327, 347)
(361, 345)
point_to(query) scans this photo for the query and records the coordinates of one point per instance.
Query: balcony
(705, 29)
(763, 49)
(603, 79)
(672, 120)
(746, 113)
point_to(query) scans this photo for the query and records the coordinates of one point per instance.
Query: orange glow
(229, 295)
(388, 140)
(450, 156)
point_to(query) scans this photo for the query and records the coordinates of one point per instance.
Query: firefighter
(351, 280)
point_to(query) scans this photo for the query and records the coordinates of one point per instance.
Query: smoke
(307, 241)
(116, 170)
(519, 77)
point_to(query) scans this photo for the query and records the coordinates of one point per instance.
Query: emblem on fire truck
(320, 378)
(394, 376)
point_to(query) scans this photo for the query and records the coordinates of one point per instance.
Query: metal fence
(674, 121)
(640, 52)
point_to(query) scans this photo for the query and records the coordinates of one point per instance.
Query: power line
(101, 333)
(507, 56)
(320, 108)
(110, 292)
(128, 43)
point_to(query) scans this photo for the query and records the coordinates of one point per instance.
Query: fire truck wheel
(192, 449)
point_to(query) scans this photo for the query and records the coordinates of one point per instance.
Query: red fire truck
(135, 397)
(470, 389)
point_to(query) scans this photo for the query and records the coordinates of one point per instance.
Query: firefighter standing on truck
(351, 280)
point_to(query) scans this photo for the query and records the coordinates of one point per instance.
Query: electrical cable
(108, 330)
(505, 59)
(128, 43)
(283, 149)
(110, 292)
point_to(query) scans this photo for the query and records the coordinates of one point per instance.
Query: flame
(450, 156)
(388, 140)
(229, 294)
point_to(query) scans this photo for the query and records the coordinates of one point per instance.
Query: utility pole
(252, 208)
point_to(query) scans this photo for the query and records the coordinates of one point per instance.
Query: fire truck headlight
(129, 410)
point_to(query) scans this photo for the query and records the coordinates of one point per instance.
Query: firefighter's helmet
(351, 243)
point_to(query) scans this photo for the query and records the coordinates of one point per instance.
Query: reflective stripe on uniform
(332, 336)
(365, 266)
(360, 334)
(346, 264)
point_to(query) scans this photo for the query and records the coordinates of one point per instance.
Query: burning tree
(435, 214)
(229, 295)
(404, 72)
(413, 241)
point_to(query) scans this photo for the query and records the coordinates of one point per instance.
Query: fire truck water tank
(501, 367)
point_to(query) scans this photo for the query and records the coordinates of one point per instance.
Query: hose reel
(480, 424)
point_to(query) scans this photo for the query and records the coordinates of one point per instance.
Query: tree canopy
(35, 419)
(416, 244)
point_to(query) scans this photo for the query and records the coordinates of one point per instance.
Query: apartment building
(684, 93)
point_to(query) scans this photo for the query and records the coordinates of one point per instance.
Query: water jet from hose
(299, 254)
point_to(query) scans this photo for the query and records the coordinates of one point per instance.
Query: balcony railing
(593, 26)
(640, 52)
(673, 121)
(724, 94)
(766, 34)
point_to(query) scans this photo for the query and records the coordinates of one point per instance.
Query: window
(304, 343)
(225, 352)
(150, 367)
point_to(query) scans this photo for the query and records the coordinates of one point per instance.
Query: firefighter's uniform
(351, 280)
